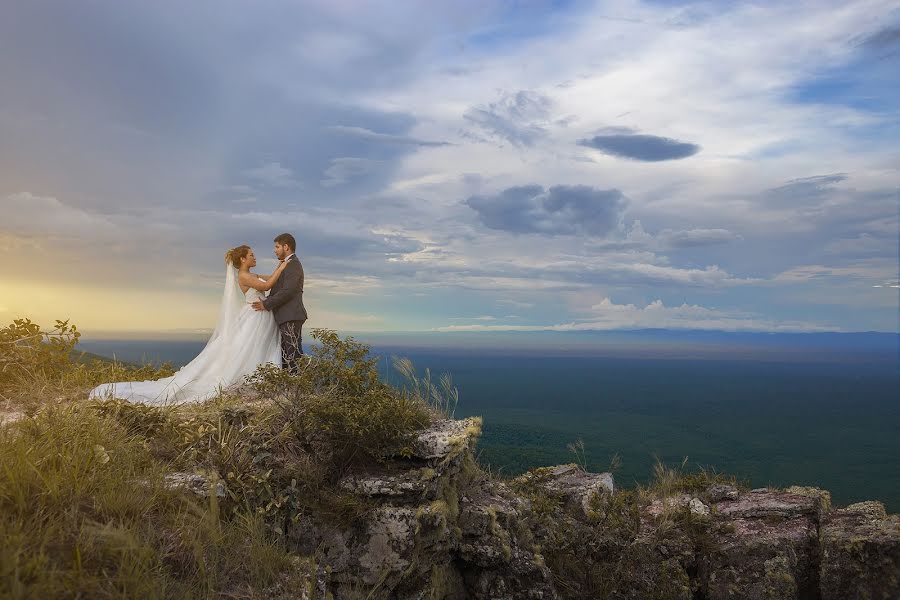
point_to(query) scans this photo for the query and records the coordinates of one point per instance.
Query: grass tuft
(85, 507)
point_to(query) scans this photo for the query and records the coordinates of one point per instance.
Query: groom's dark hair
(286, 239)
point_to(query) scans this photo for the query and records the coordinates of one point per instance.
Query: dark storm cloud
(559, 210)
(173, 102)
(648, 148)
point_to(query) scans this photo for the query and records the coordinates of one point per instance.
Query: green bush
(28, 353)
(338, 407)
(85, 510)
(37, 365)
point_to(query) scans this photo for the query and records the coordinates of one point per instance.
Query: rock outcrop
(439, 527)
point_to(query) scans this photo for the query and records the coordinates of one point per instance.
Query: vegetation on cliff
(87, 508)
(333, 485)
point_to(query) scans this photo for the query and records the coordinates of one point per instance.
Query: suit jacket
(286, 296)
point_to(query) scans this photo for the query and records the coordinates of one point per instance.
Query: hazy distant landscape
(781, 409)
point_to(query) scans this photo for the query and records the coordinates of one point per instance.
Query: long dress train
(243, 339)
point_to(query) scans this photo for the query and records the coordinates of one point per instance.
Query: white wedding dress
(242, 340)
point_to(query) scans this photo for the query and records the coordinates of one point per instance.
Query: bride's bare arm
(256, 282)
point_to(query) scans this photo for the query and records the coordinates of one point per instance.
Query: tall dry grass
(85, 509)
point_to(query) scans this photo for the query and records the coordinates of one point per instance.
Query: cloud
(806, 189)
(272, 174)
(148, 131)
(519, 118)
(344, 169)
(372, 136)
(606, 315)
(643, 273)
(822, 273)
(864, 244)
(559, 210)
(515, 303)
(25, 213)
(886, 38)
(697, 237)
(648, 148)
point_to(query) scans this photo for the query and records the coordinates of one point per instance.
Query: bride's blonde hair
(235, 255)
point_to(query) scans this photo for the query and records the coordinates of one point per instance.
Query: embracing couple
(252, 330)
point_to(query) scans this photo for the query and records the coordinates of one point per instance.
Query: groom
(286, 303)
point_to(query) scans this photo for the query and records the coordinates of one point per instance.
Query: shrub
(28, 353)
(38, 365)
(85, 510)
(338, 407)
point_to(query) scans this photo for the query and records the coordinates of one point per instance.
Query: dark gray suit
(286, 303)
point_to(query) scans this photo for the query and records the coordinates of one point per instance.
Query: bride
(242, 340)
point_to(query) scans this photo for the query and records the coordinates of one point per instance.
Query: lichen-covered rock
(659, 506)
(193, 482)
(824, 496)
(394, 547)
(438, 455)
(650, 569)
(447, 438)
(439, 527)
(762, 557)
(721, 491)
(860, 553)
(770, 503)
(765, 546)
(496, 554)
(698, 508)
(412, 485)
(575, 486)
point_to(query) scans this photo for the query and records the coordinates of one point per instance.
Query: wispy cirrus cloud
(343, 169)
(372, 136)
(272, 174)
(698, 237)
(520, 118)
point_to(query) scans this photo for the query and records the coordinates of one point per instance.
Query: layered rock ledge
(439, 527)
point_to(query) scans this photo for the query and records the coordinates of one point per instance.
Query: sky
(455, 166)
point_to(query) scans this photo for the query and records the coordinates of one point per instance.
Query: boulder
(698, 508)
(497, 555)
(721, 491)
(771, 503)
(193, 482)
(447, 438)
(860, 553)
(574, 486)
(765, 545)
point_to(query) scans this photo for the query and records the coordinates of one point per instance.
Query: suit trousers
(291, 345)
